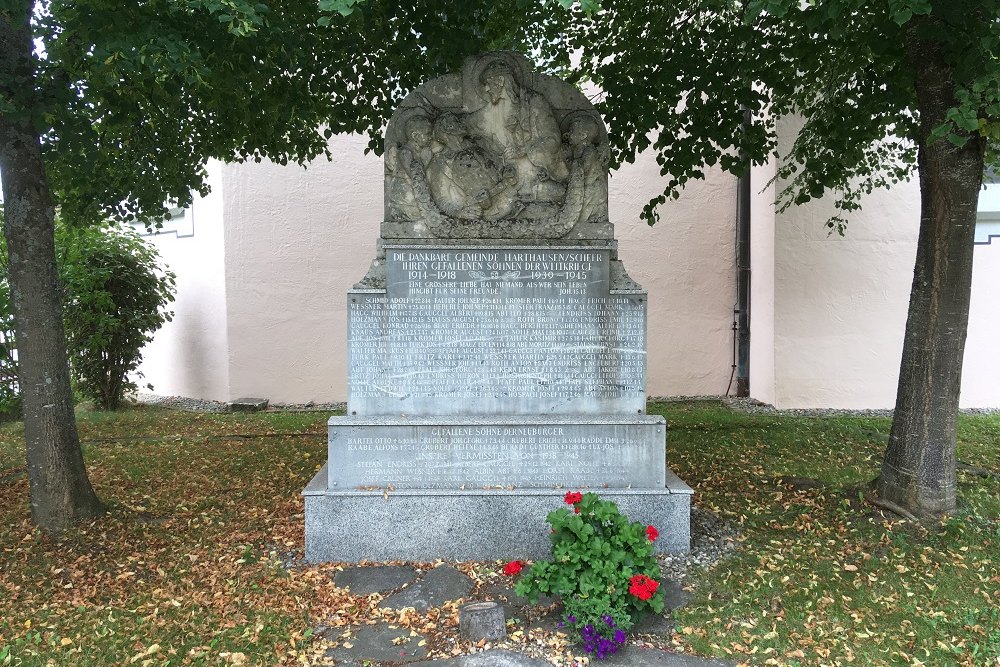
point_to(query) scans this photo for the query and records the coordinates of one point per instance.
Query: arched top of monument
(496, 151)
(464, 92)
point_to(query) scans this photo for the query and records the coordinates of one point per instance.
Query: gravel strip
(753, 406)
(712, 538)
(205, 405)
(746, 405)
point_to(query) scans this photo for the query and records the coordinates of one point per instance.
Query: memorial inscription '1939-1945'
(497, 331)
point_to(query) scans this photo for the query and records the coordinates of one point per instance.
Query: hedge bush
(115, 297)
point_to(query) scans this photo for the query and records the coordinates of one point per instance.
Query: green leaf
(958, 139)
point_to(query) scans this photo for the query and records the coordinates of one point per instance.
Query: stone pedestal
(468, 524)
(497, 346)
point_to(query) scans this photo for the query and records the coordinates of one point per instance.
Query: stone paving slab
(674, 596)
(375, 643)
(654, 624)
(442, 584)
(634, 656)
(365, 580)
(491, 658)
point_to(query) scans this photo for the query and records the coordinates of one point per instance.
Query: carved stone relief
(496, 152)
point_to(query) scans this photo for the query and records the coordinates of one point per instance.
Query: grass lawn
(187, 566)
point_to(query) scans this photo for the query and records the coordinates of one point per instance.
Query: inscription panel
(452, 456)
(496, 331)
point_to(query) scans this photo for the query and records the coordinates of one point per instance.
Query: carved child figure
(588, 181)
(406, 166)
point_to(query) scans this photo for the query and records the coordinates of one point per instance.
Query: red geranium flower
(652, 533)
(573, 497)
(513, 567)
(642, 586)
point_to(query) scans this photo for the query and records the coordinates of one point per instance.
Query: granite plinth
(476, 524)
(467, 452)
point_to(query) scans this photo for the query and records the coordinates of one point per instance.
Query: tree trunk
(918, 473)
(61, 493)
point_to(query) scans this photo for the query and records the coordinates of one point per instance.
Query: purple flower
(620, 636)
(588, 629)
(610, 622)
(571, 619)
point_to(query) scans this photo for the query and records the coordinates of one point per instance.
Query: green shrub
(115, 298)
(603, 568)
(10, 394)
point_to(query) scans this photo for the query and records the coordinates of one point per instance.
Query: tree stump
(482, 620)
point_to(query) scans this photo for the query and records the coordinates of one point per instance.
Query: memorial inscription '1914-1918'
(518, 330)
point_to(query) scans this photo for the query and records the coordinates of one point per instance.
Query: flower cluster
(642, 586)
(574, 498)
(596, 550)
(514, 567)
(595, 642)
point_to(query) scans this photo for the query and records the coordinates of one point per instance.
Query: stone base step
(476, 524)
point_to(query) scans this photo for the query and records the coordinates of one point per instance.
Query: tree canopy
(110, 110)
(677, 76)
(132, 99)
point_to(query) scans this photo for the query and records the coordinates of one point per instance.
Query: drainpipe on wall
(742, 310)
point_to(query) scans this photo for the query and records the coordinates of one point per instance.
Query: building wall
(840, 304)
(981, 370)
(261, 308)
(762, 276)
(296, 240)
(840, 301)
(686, 262)
(189, 356)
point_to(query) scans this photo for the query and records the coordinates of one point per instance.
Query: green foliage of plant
(10, 394)
(168, 85)
(115, 298)
(680, 79)
(596, 552)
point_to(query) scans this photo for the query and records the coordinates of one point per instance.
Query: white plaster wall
(762, 267)
(981, 370)
(296, 240)
(189, 356)
(686, 262)
(261, 308)
(840, 302)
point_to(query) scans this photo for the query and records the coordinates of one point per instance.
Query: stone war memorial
(497, 346)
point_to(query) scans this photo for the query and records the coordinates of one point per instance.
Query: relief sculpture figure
(466, 181)
(587, 192)
(497, 152)
(406, 166)
(519, 125)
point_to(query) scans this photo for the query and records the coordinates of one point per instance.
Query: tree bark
(919, 470)
(61, 494)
